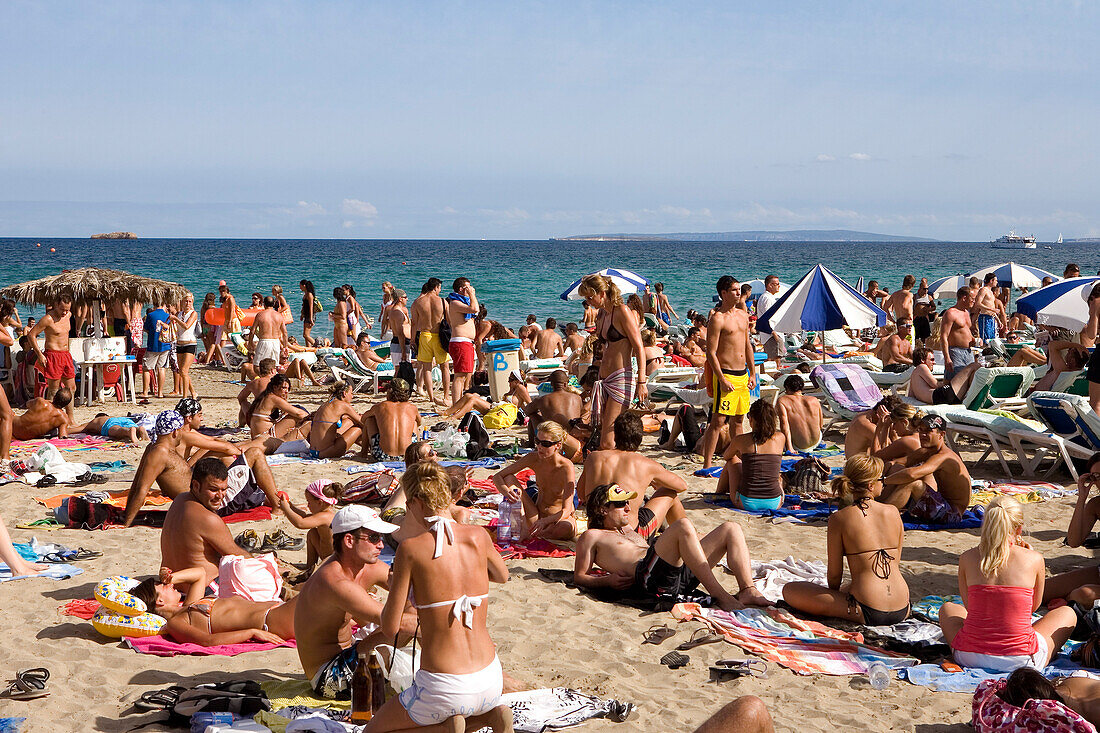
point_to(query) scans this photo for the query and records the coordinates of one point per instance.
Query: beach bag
(445, 333)
(84, 514)
(405, 371)
(240, 697)
(501, 416)
(317, 307)
(807, 477)
(478, 447)
(991, 714)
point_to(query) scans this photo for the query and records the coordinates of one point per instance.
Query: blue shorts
(759, 505)
(116, 422)
(987, 327)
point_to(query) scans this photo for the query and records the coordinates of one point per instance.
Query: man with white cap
(338, 593)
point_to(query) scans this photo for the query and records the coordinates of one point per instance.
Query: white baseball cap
(354, 516)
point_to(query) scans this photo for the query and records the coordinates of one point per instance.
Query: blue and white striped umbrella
(946, 287)
(821, 301)
(1015, 274)
(1063, 304)
(627, 282)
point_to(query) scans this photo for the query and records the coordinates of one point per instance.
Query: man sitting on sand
(391, 425)
(561, 405)
(934, 484)
(548, 505)
(863, 428)
(923, 387)
(43, 417)
(799, 416)
(635, 473)
(671, 565)
(115, 428)
(338, 593)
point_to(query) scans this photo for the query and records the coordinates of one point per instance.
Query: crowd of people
(590, 483)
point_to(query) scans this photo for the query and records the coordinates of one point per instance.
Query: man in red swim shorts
(55, 362)
(462, 309)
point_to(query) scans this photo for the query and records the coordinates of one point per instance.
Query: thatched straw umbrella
(92, 284)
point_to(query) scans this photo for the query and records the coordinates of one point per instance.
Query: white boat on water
(1014, 241)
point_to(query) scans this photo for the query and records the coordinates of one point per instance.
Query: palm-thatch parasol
(91, 284)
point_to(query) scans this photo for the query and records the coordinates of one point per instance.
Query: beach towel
(785, 464)
(848, 385)
(929, 606)
(254, 578)
(74, 443)
(283, 459)
(1025, 492)
(531, 548)
(298, 693)
(934, 677)
(770, 577)
(161, 646)
(116, 499)
(83, 608)
(804, 647)
(11, 725)
(54, 572)
(400, 465)
(799, 508)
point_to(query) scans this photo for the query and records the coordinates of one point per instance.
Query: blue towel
(933, 676)
(786, 464)
(794, 506)
(11, 725)
(56, 572)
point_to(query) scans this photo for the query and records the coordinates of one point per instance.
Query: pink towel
(164, 647)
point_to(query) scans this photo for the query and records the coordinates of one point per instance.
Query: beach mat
(785, 464)
(532, 548)
(795, 506)
(75, 443)
(162, 646)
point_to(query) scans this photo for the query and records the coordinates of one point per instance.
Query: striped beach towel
(849, 385)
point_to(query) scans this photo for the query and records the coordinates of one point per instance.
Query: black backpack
(478, 446)
(242, 697)
(405, 371)
(445, 330)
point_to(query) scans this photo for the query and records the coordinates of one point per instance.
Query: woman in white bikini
(445, 572)
(271, 415)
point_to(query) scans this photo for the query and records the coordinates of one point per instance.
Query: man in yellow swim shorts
(425, 315)
(735, 403)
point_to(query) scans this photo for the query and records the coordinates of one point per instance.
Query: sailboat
(1059, 238)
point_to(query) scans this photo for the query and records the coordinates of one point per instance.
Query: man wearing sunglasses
(667, 568)
(896, 349)
(338, 593)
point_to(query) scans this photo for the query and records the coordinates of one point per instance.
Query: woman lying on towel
(1001, 583)
(870, 534)
(213, 621)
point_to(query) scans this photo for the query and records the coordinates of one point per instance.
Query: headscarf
(188, 407)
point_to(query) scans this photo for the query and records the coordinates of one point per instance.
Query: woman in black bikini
(870, 534)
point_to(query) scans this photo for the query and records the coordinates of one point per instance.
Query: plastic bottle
(361, 707)
(200, 721)
(878, 674)
(506, 534)
(515, 520)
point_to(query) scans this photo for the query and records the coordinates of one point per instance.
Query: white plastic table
(88, 368)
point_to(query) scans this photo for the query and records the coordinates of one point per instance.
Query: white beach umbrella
(627, 282)
(947, 286)
(1016, 275)
(821, 301)
(1063, 304)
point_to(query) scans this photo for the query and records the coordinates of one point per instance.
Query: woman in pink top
(1001, 583)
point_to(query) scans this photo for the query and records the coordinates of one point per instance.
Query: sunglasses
(616, 504)
(372, 538)
(546, 443)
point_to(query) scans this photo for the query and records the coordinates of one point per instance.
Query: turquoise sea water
(512, 278)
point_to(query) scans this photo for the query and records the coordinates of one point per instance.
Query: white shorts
(433, 696)
(155, 359)
(999, 663)
(267, 349)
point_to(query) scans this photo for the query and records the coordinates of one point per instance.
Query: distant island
(115, 235)
(799, 235)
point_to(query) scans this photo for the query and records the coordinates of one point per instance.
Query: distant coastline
(115, 235)
(798, 235)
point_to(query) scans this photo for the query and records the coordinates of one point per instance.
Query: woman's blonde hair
(338, 388)
(904, 411)
(601, 284)
(860, 472)
(428, 482)
(1003, 519)
(649, 338)
(276, 289)
(552, 430)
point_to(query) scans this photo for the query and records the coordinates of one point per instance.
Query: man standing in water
(462, 308)
(427, 312)
(55, 363)
(732, 365)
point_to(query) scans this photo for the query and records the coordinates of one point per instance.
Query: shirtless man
(267, 339)
(548, 343)
(397, 321)
(390, 425)
(934, 485)
(863, 428)
(115, 428)
(896, 350)
(672, 565)
(799, 416)
(589, 318)
(427, 312)
(560, 405)
(690, 349)
(989, 310)
(250, 391)
(955, 335)
(338, 593)
(462, 309)
(547, 506)
(43, 416)
(733, 368)
(574, 339)
(194, 535)
(55, 362)
(924, 387)
(623, 465)
(900, 304)
(120, 315)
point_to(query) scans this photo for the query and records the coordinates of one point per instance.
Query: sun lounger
(997, 430)
(357, 374)
(1074, 432)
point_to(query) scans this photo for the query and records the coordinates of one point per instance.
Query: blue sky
(531, 120)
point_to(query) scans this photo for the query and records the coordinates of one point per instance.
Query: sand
(547, 634)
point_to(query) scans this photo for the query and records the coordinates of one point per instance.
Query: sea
(512, 278)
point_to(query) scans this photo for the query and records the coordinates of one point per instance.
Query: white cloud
(348, 224)
(859, 156)
(825, 158)
(357, 208)
(448, 210)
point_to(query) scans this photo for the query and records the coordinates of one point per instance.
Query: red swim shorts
(462, 354)
(59, 365)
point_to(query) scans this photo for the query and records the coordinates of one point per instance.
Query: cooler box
(503, 358)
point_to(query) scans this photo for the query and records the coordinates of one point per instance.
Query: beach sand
(547, 635)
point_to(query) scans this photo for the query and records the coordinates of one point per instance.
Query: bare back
(801, 415)
(397, 423)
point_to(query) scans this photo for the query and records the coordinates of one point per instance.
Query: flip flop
(56, 558)
(675, 660)
(725, 669)
(657, 634)
(159, 699)
(29, 684)
(83, 554)
(699, 638)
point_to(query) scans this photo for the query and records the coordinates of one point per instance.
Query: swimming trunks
(267, 349)
(116, 422)
(960, 357)
(735, 403)
(1092, 374)
(242, 492)
(932, 507)
(59, 365)
(461, 350)
(945, 395)
(333, 679)
(875, 617)
(752, 504)
(379, 454)
(922, 327)
(429, 349)
(655, 577)
(987, 327)
(434, 696)
(648, 524)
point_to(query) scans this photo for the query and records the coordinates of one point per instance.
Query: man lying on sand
(43, 417)
(115, 428)
(672, 565)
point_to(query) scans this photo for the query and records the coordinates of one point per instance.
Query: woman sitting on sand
(870, 534)
(898, 434)
(1001, 583)
(517, 395)
(271, 415)
(213, 621)
(446, 568)
(335, 426)
(753, 459)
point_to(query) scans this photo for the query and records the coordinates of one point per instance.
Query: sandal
(657, 634)
(699, 638)
(159, 699)
(29, 684)
(725, 669)
(84, 554)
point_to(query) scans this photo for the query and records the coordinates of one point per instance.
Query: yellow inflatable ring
(123, 614)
